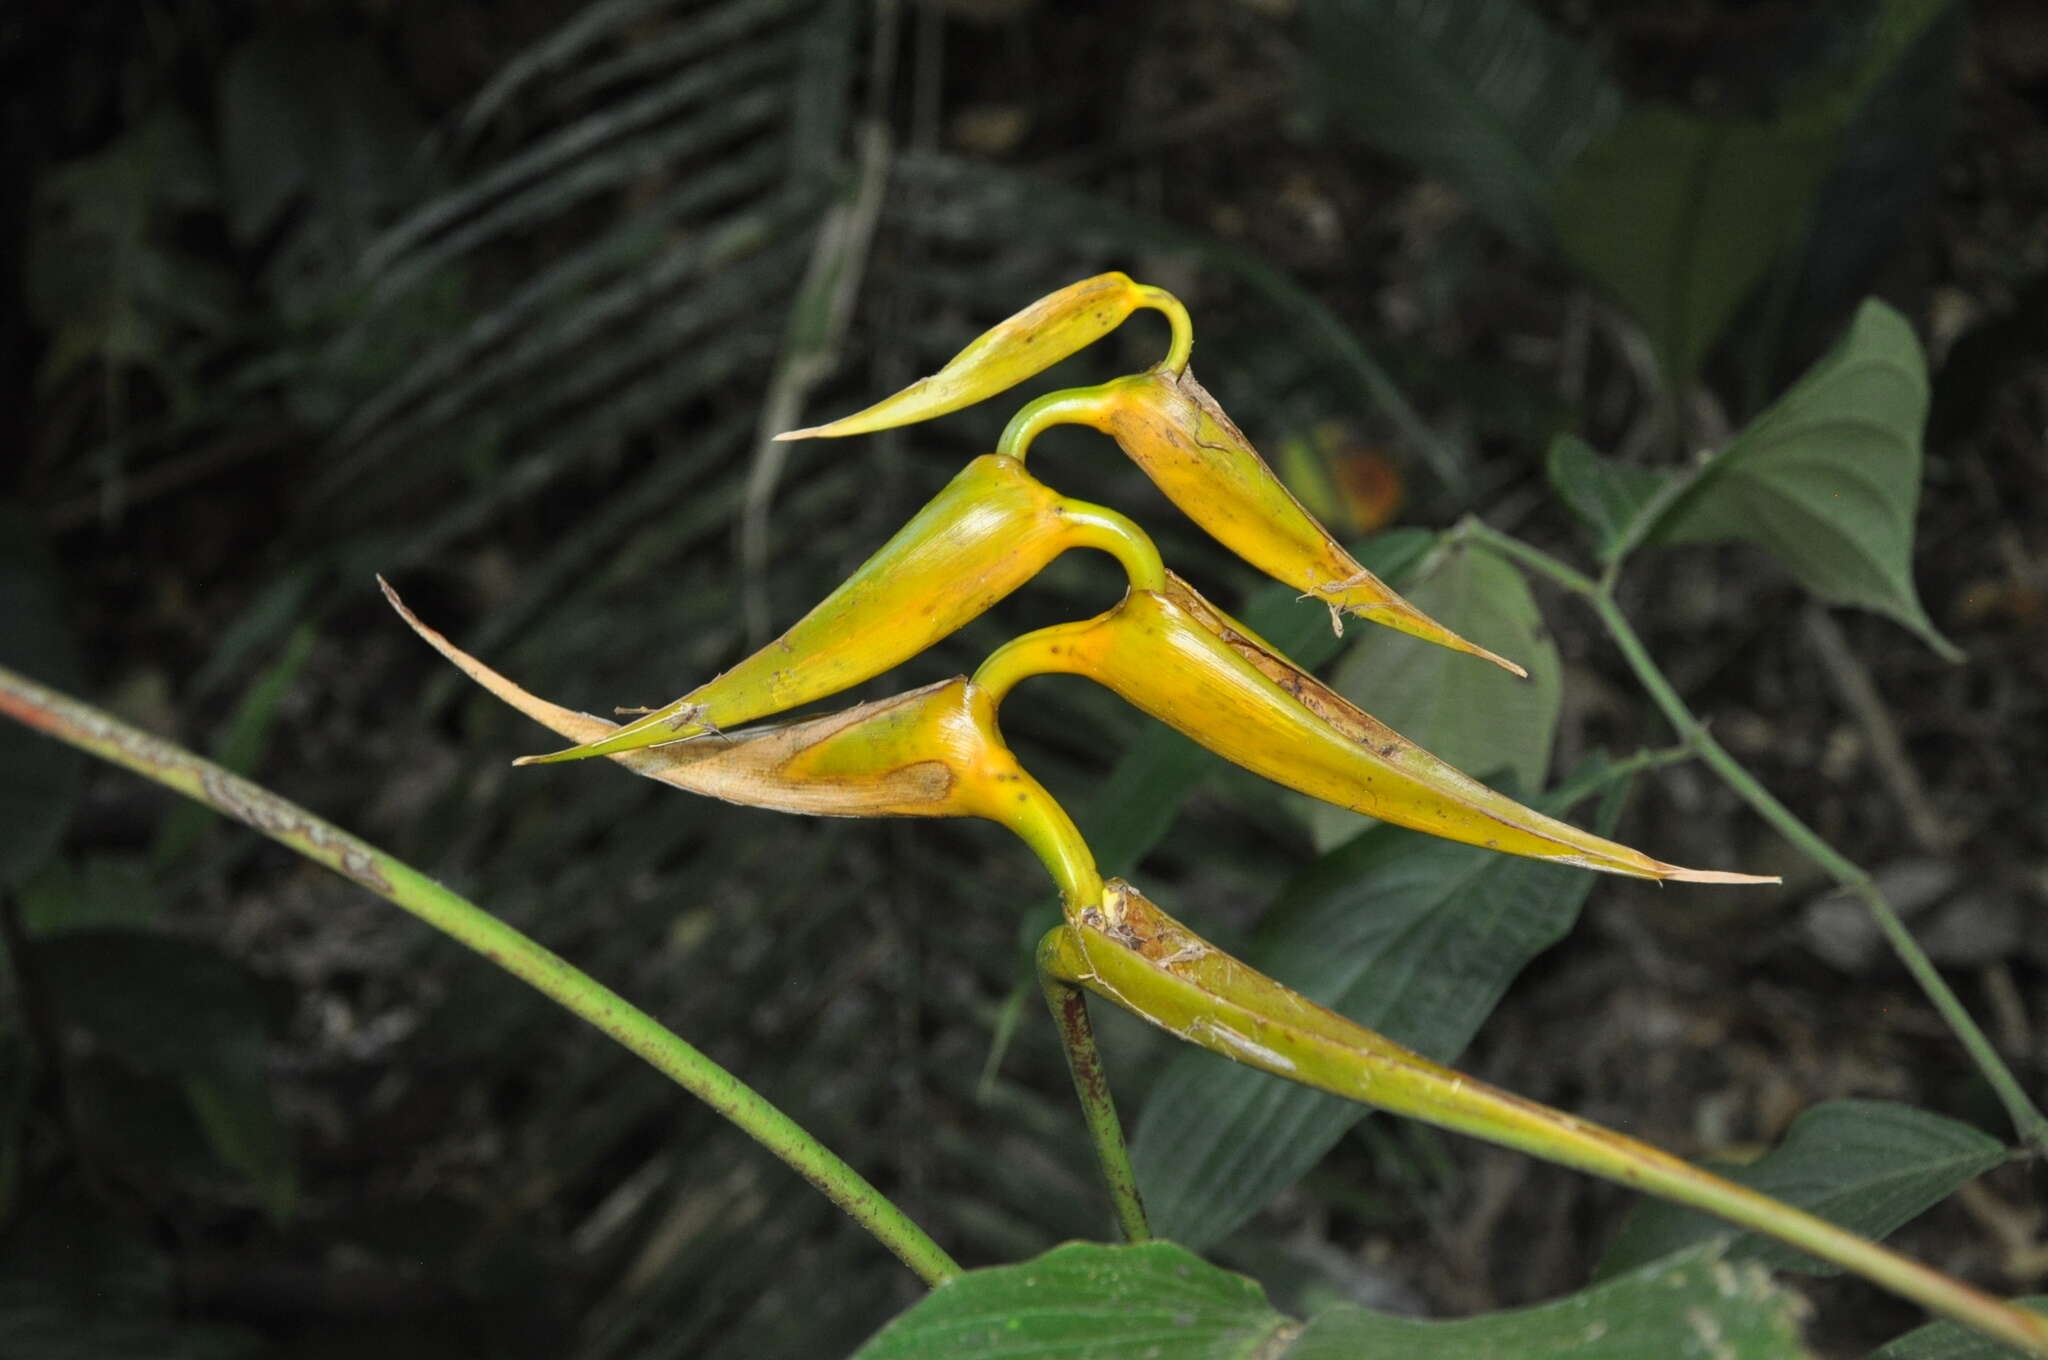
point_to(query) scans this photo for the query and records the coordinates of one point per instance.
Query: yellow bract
(1006, 354)
(992, 529)
(1188, 664)
(934, 752)
(1171, 427)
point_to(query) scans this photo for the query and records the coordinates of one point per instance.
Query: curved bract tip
(1167, 423)
(1013, 350)
(990, 530)
(930, 752)
(1717, 876)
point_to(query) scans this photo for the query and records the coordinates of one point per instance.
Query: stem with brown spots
(201, 780)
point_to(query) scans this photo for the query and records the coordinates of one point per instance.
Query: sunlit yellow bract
(989, 531)
(1022, 347)
(1185, 662)
(933, 752)
(1171, 427)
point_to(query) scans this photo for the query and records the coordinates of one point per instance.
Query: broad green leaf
(1953, 1341)
(1480, 92)
(1828, 479)
(1868, 1165)
(1608, 497)
(1410, 936)
(41, 780)
(1680, 215)
(1690, 1307)
(1086, 1302)
(1887, 168)
(1480, 720)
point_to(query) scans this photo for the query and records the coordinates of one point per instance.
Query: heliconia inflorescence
(938, 751)
(1165, 649)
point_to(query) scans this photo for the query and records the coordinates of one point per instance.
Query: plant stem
(1098, 1107)
(2027, 1118)
(204, 782)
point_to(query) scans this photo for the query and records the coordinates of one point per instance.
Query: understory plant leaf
(1082, 1301)
(1607, 497)
(1866, 1164)
(1951, 1341)
(1406, 935)
(1827, 480)
(1475, 718)
(1480, 92)
(1679, 215)
(1692, 1305)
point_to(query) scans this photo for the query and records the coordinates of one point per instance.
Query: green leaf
(1886, 170)
(1479, 718)
(1408, 935)
(1868, 1165)
(1680, 215)
(1480, 92)
(1607, 497)
(1828, 479)
(1086, 1302)
(1953, 1341)
(41, 782)
(1694, 1305)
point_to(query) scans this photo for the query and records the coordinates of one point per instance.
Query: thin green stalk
(2028, 1120)
(204, 782)
(1098, 1107)
(1179, 982)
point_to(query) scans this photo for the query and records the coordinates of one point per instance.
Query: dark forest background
(492, 298)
